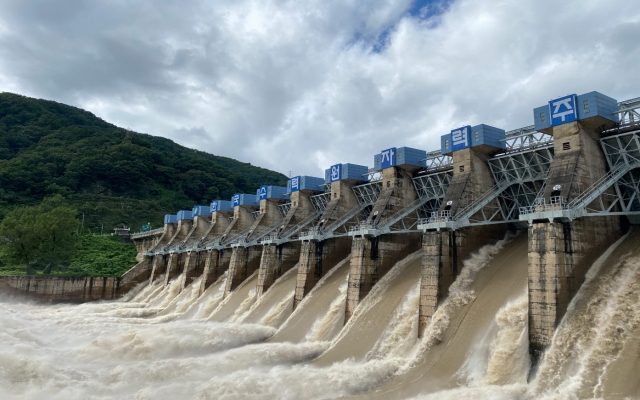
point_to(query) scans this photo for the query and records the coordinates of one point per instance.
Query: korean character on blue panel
(563, 110)
(295, 183)
(388, 158)
(460, 138)
(335, 173)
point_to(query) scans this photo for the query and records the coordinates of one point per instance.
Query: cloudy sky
(300, 85)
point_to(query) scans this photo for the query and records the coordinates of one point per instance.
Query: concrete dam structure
(446, 233)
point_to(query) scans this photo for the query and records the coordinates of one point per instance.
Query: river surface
(163, 343)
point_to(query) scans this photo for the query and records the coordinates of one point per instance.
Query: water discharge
(163, 342)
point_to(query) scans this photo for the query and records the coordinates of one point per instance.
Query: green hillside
(112, 176)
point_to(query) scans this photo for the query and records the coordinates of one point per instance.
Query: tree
(45, 234)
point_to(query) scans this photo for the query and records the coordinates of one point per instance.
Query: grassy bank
(96, 256)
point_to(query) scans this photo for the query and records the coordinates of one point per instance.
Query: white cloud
(298, 86)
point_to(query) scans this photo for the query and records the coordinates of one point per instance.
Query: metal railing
(482, 201)
(296, 228)
(601, 185)
(145, 233)
(575, 206)
(556, 203)
(398, 215)
(442, 216)
(352, 213)
(364, 225)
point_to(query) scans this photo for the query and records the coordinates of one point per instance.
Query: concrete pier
(147, 241)
(159, 263)
(177, 259)
(179, 230)
(373, 257)
(277, 259)
(317, 257)
(246, 260)
(194, 260)
(139, 273)
(444, 251)
(560, 252)
(159, 266)
(225, 224)
(215, 264)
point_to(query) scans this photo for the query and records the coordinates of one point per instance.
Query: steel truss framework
(624, 149)
(320, 201)
(431, 189)
(437, 161)
(520, 171)
(525, 138)
(526, 173)
(520, 176)
(284, 209)
(615, 193)
(373, 175)
(368, 193)
(629, 111)
(340, 227)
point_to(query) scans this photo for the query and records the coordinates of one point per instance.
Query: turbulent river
(160, 343)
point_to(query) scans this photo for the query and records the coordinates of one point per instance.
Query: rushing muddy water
(163, 343)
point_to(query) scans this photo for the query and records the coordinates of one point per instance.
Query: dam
(472, 270)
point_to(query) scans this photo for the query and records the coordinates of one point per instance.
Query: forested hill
(111, 175)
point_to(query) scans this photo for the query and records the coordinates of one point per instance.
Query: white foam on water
(113, 349)
(136, 291)
(209, 300)
(460, 295)
(586, 343)
(402, 332)
(244, 307)
(277, 313)
(324, 328)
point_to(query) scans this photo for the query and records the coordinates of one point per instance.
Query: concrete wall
(176, 265)
(301, 208)
(216, 263)
(61, 289)
(244, 262)
(137, 274)
(182, 232)
(278, 259)
(442, 257)
(373, 257)
(193, 266)
(397, 192)
(342, 200)
(159, 266)
(444, 252)
(274, 262)
(560, 253)
(145, 243)
(199, 230)
(165, 238)
(318, 258)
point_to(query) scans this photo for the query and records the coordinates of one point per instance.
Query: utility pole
(83, 223)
